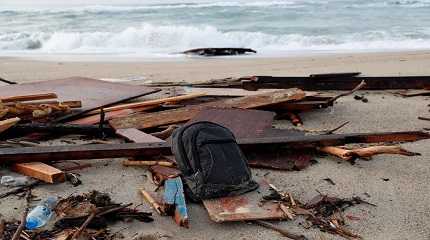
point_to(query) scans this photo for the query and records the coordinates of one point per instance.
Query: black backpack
(211, 162)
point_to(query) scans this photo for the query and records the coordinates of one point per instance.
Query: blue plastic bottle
(41, 214)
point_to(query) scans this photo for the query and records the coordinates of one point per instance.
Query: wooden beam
(8, 123)
(95, 119)
(22, 98)
(40, 171)
(99, 151)
(148, 103)
(150, 120)
(135, 135)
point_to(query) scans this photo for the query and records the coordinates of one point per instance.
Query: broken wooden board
(8, 123)
(31, 97)
(99, 151)
(414, 93)
(135, 135)
(334, 82)
(244, 207)
(93, 93)
(150, 120)
(226, 92)
(95, 119)
(40, 171)
(152, 103)
(174, 196)
(243, 123)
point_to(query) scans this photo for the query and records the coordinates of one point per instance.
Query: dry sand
(403, 202)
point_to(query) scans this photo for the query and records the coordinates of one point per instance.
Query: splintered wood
(40, 171)
(6, 124)
(351, 154)
(150, 120)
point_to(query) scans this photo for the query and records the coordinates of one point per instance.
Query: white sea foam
(151, 39)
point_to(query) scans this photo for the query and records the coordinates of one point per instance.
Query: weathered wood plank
(137, 136)
(31, 97)
(40, 171)
(8, 123)
(99, 151)
(150, 120)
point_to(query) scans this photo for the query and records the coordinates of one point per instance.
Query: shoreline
(205, 68)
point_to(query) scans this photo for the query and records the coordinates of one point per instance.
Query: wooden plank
(150, 120)
(92, 92)
(99, 151)
(31, 97)
(243, 207)
(95, 119)
(137, 136)
(148, 103)
(8, 123)
(227, 92)
(40, 171)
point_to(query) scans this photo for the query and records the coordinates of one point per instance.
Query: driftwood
(358, 87)
(367, 152)
(8, 123)
(424, 118)
(280, 230)
(165, 133)
(129, 163)
(8, 82)
(219, 51)
(153, 203)
(32, 97)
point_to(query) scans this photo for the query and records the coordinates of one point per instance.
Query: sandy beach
(201, 69)
(403, 201)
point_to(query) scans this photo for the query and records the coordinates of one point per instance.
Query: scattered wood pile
(32, 113)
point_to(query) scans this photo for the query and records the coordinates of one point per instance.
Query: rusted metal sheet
(279, 159)
(93, 93)
(333, 82)
(243, 123)
(243, 207)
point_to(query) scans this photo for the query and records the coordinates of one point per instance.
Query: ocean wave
(392, 3)
(167, 39)
(125, 8)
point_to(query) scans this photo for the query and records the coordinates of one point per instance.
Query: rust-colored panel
(243, 207)
(279, 159)
(93, 93)
(243, 123)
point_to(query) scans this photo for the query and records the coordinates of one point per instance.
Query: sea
(165, 28)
